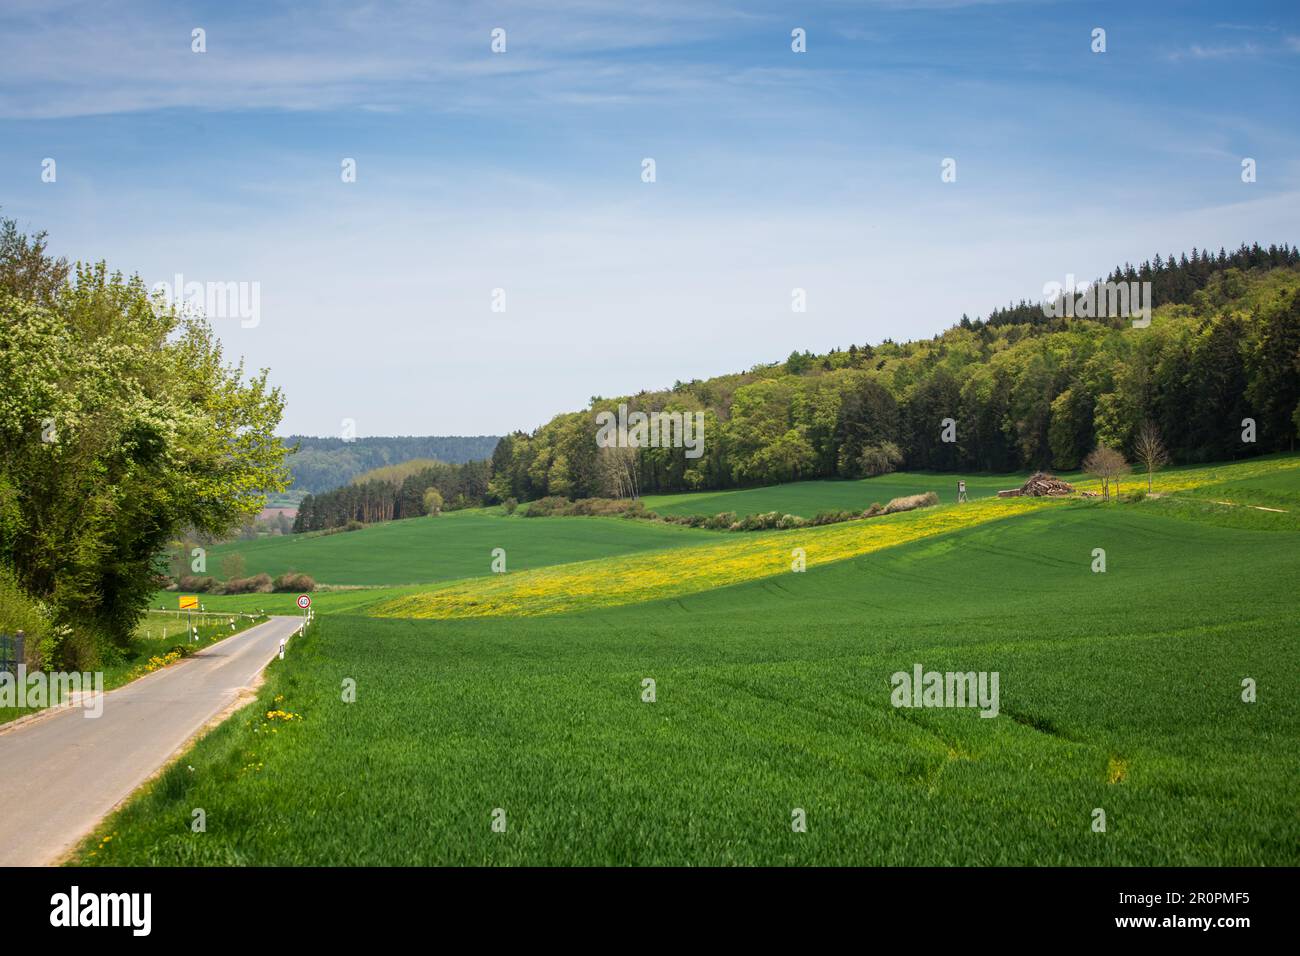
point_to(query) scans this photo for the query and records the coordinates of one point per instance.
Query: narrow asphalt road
(62, 772)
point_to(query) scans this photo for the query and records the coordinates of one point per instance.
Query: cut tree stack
(1040, 485)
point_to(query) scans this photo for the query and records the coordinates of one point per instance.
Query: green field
(1119, 690)
(455, 545)
(806, 498)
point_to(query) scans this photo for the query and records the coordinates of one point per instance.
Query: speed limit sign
(304, 601)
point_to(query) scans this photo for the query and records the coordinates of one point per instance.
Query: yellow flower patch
(646, 577)
(744, 556)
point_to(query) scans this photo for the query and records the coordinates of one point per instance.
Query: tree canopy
(121, 425)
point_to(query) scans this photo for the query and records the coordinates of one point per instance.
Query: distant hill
(321, 464)
(1213, 376)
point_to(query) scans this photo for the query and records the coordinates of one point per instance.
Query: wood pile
(1043, 485)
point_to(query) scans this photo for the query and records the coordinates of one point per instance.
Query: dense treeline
(1023, 391)
(394, 493)
(1173, 279)
(324, 463)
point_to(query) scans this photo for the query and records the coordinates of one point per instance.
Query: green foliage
(432, 501)
(120, 425)
(1025, 392)
(881, 459)
(398, 491)
(20, 612)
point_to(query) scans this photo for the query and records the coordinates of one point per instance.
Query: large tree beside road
(121, 425)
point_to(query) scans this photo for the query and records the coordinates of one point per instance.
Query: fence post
(20, 646)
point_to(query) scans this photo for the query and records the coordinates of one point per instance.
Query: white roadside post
(283, 641)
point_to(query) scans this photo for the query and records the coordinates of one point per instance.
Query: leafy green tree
(1274, 388)
(121, 424)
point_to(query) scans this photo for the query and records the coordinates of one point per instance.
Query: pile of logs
(1040, 485)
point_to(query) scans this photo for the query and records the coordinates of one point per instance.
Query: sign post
(961, 490)
(189, 603)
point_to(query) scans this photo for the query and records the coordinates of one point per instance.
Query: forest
(1023, 391)
(396, 491)
(319, 464)
(1018, 391)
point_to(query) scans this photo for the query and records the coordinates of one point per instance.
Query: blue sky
(522, 171)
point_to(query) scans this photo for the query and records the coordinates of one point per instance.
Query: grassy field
(455, 545)
(806, 498)
(1119, 690)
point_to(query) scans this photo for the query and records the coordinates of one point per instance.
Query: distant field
(806, 498)
(1118, 691)
(743, 556)
(455, 545)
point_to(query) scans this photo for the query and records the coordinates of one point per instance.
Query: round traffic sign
(304, 601)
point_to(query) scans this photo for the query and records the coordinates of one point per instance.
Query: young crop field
(455, 545)
(1121, 691)
(806, 498)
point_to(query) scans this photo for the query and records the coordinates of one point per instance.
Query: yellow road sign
(189, 602)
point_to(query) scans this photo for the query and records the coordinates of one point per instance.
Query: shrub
(19, 611)
(721, 520)
(257, 584)
(293, 581)
(509, 505)
(198, 585)
(759, 522)
(353, 525)
(604, 506)
(911, 502)
(546, 507)
(834, 516)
